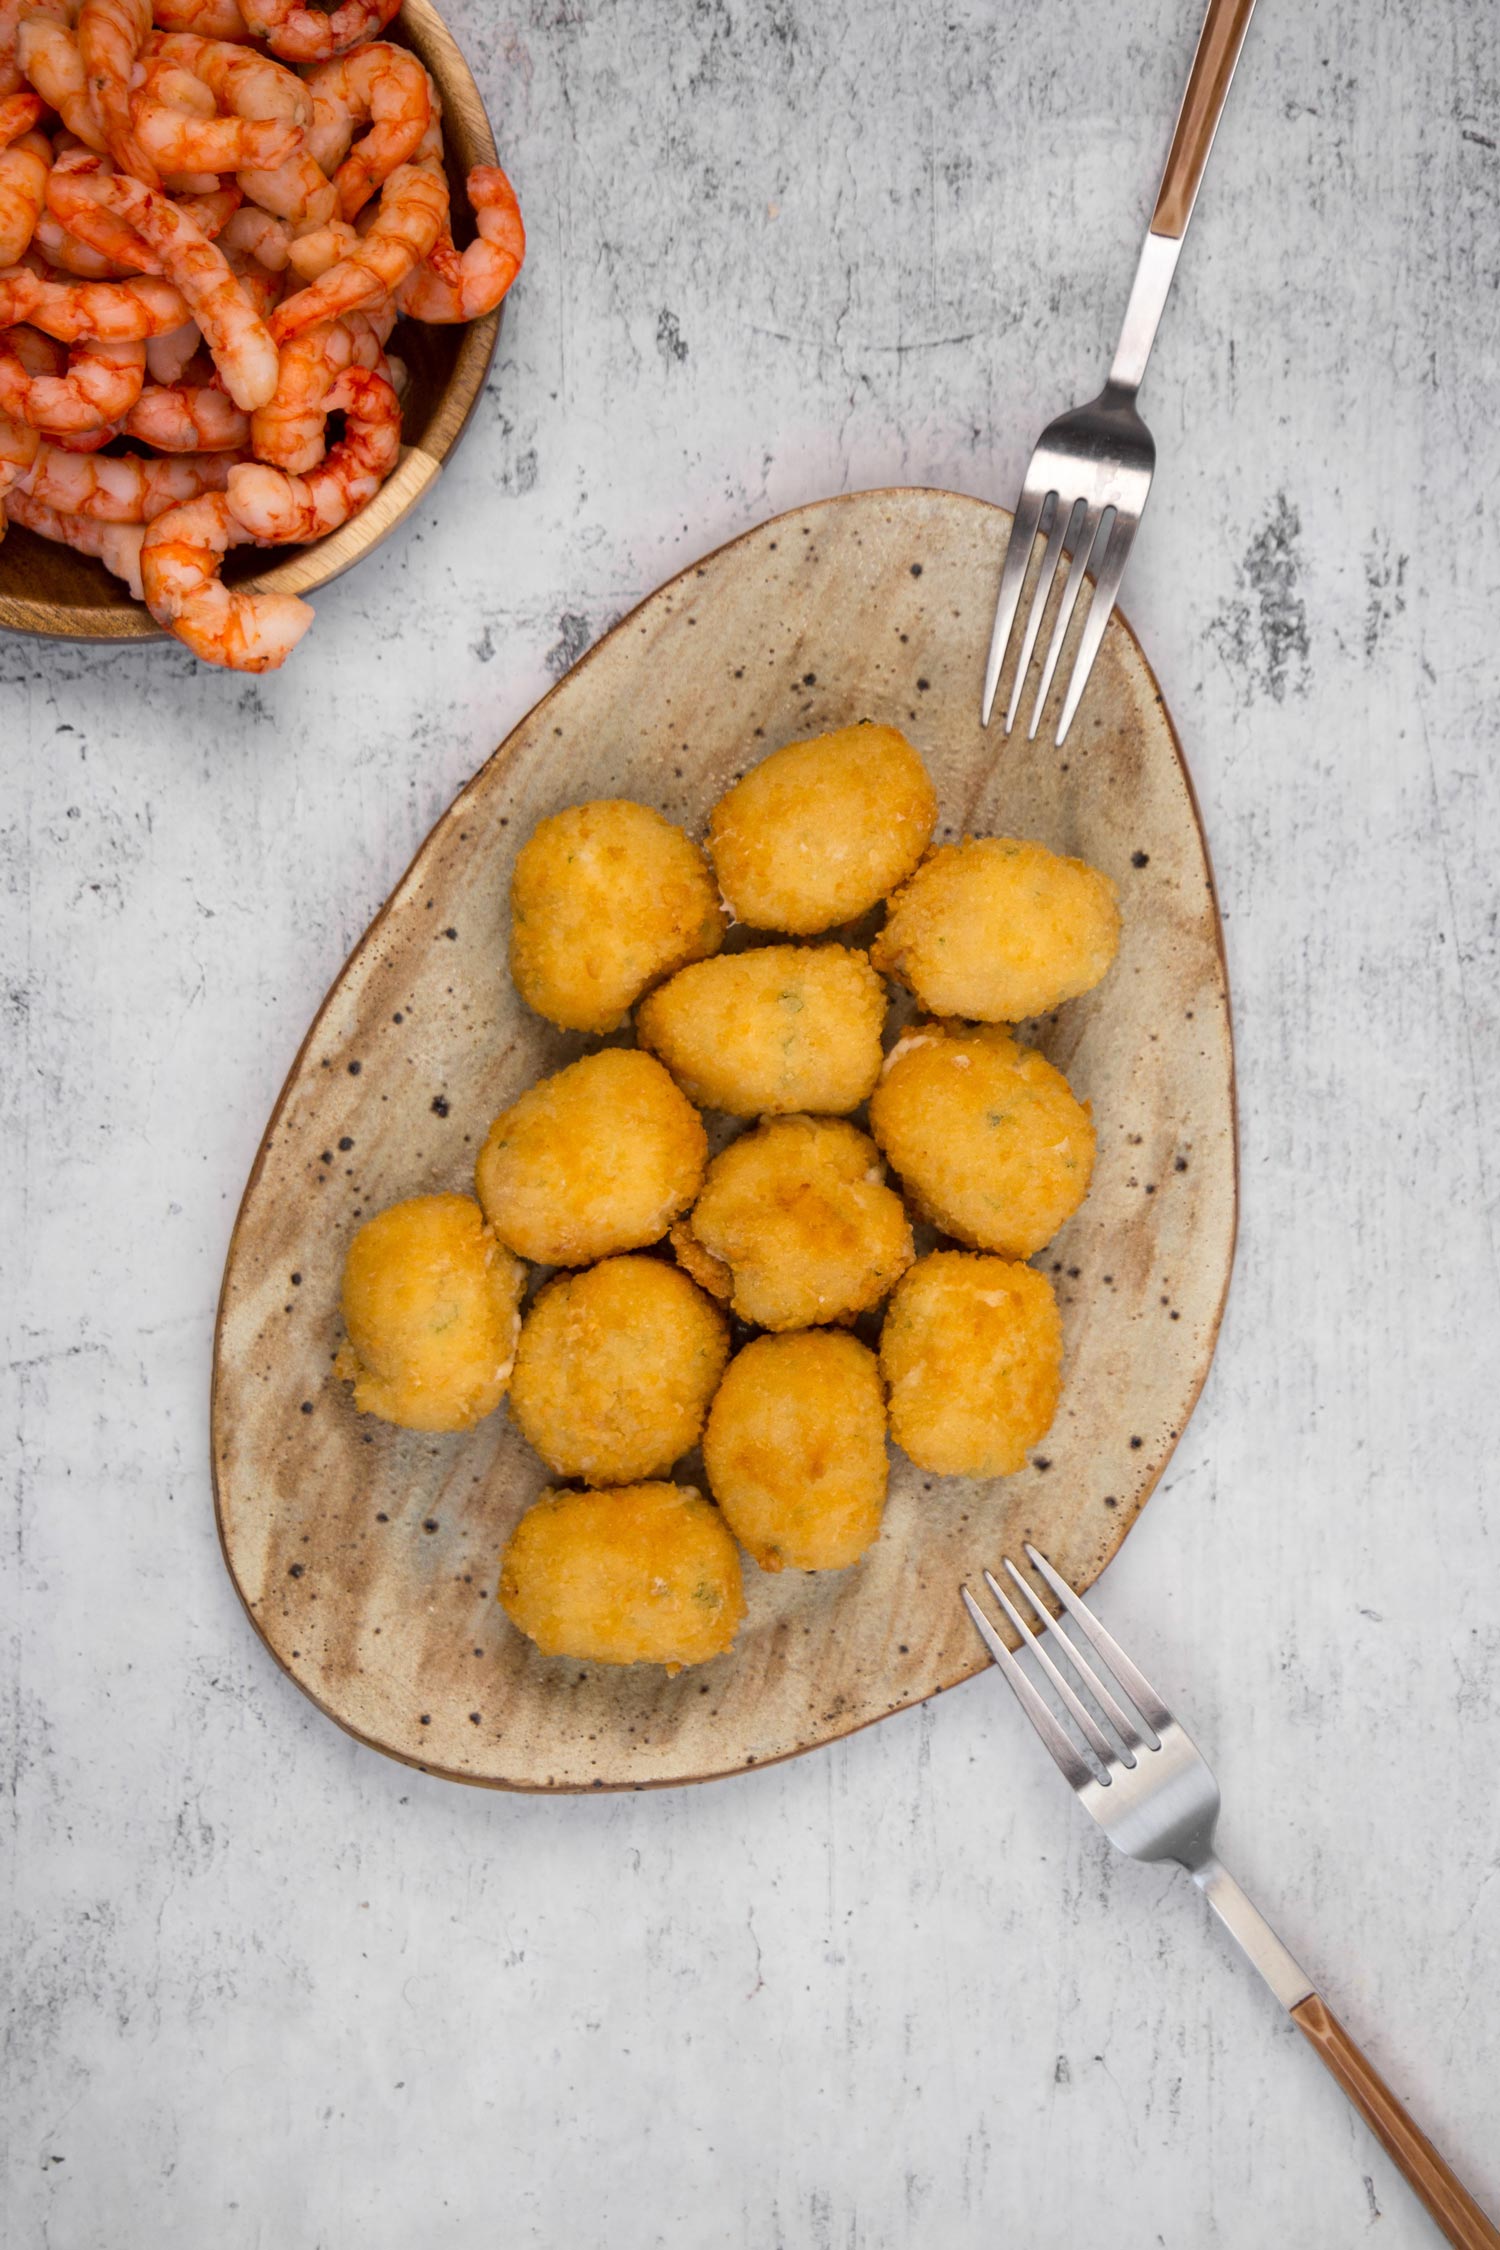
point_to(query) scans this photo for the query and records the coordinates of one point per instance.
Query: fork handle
(1446, 2198)
(1219, 45)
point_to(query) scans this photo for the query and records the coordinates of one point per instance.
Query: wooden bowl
(367, 1556)
(48, 589)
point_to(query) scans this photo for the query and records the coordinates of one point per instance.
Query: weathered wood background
(266, 1988)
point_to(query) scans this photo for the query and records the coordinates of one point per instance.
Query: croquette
(615, 1369)
(783, 1028)
(997, 929)
(598, 1158)
(989, 1141)
(971, 1351)
(640, 1574)
(796, 1226)
(819, 830)
(431, 1304)
(606, 899)
(795, 1449)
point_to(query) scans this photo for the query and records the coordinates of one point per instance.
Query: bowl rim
(302, 570)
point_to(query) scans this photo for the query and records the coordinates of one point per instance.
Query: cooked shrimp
(306, 35)
(113, 311)
(210, 19)
(102, 383)
(267, 107)
(289, 510)
(382, 87)
(465, 284)
(288, 431)
(167, 357)
(232, 328)
(116, 545)
(67, 254)
(311, 255)
(47, 52)
(413, 206)
(73, 198)
(180, 562)
(298, 191)
(84, 441)
(23, 190)
(134, 489)
(19, 113)
(188, 417)
(111, 34)
(258, 235)
(18, 450)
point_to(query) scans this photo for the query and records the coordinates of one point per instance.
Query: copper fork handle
(1219, 45)
(1446, 2198)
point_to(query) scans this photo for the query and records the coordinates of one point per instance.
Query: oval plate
(367, 1556)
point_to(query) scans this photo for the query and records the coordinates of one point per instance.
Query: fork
(1099, 458)
(1152, 1793)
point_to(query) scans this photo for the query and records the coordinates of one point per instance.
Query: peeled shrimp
(23, 189)
(47, 52)
(19, 113)
(232, 328)
(181, 557)
(465, 284)
(133, 489)
(12, 77)
(413, 206)
(289, 510)
(301, 34)
(116, 545)
(18, 449)
(288, 431)
(113, 311)
(210, 19)
(386, 89)
(298, 191)
(258, 235)
(102, 383)
(68, 254)
(310, 255)
(168, 357)
(267, 107)
(188, 417)
(111, 34)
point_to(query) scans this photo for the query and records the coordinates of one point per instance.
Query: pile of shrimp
(212, 215)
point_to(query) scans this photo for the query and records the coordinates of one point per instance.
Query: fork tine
(1082, 550)
(1124, 1726)
(1061, 518)
(1134, 1682)
(1023, 531)
(1103, 1749)
(1065, 1753)
(1106, 591)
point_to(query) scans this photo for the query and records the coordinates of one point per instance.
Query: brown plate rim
(497, 759)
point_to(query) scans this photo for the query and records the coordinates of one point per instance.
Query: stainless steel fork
(1099, 458)
(1152, 1793)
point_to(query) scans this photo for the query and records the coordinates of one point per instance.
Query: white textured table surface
(268, 1989)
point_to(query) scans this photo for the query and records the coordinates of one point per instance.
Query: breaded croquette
(989, 1140)
(971, 1351)
(615, 1369)
(783, 1028)
(997, 929)
(795, 1449)
(820, 830)
(600, 1157)
(431, 1306)
(640, 1574)
(606, 899)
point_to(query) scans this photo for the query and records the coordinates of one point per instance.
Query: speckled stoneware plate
(368, 1556)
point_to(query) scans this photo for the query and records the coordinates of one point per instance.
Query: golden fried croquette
(795, 1449)
(787, 1027)
(820, 830)
(431, 1306)
(971, 1351)
(989, 1140)
(997, 929)
(615, 1370)
(607, 898)
(600, 1157)
(639, 1574)
(796, 1225)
